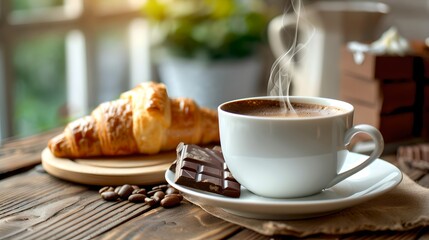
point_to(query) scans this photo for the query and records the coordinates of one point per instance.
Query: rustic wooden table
(35, 205)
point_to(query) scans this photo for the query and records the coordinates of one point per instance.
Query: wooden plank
(37, 206)
(187, 221)
(26, 142)
(18, 154)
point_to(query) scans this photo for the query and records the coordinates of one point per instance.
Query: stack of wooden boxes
(425, 127)
(425, 118)
(387, 93)
(423, 63)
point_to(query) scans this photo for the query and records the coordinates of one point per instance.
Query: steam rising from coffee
(280, 75)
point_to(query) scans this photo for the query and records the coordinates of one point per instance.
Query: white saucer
(376, 179)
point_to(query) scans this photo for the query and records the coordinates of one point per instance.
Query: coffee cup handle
(379, 147)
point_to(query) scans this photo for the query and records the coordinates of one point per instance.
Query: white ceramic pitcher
(330, 24)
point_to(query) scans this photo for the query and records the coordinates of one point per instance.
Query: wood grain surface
(18, 154)
(36, 205)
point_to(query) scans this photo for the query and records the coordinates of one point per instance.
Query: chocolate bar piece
(204, 169)
(416, 155)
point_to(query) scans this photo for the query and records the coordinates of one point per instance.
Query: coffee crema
(275, 108)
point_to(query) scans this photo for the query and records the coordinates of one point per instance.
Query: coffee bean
(170, 201)
(171, 190)
(180, 196)
(157, 199)
(137, 198)
(150, 201)
(164, 194)
(110, 196)
(125, 191)
(175, 194)
(159, 195)
(152, 192)
(139, 191)
(162, 187)
(105, 189)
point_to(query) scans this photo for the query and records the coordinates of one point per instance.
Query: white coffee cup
(288, 157)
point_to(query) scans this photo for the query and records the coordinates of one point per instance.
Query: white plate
(376, 179)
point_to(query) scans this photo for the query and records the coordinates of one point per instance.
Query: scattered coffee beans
(109, 196)
(140, 191)
(125, 191)
(137, 198)
(178, 195)
(150, 201)
(159, 194)
(170, 201)
(164, 195)
(161, 187)
(106, 189)
(152, 192)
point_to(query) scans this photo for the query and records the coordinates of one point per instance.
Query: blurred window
(35, 4)
(38, 94)
(60, 58)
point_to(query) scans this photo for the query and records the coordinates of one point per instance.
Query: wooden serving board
(110, 171)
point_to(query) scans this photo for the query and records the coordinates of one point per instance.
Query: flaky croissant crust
(143, 120)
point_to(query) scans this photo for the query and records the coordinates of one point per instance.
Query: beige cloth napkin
(403, 208)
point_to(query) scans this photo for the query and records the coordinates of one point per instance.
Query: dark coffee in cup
(278, 109)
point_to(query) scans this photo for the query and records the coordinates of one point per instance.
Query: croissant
(144, 120)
